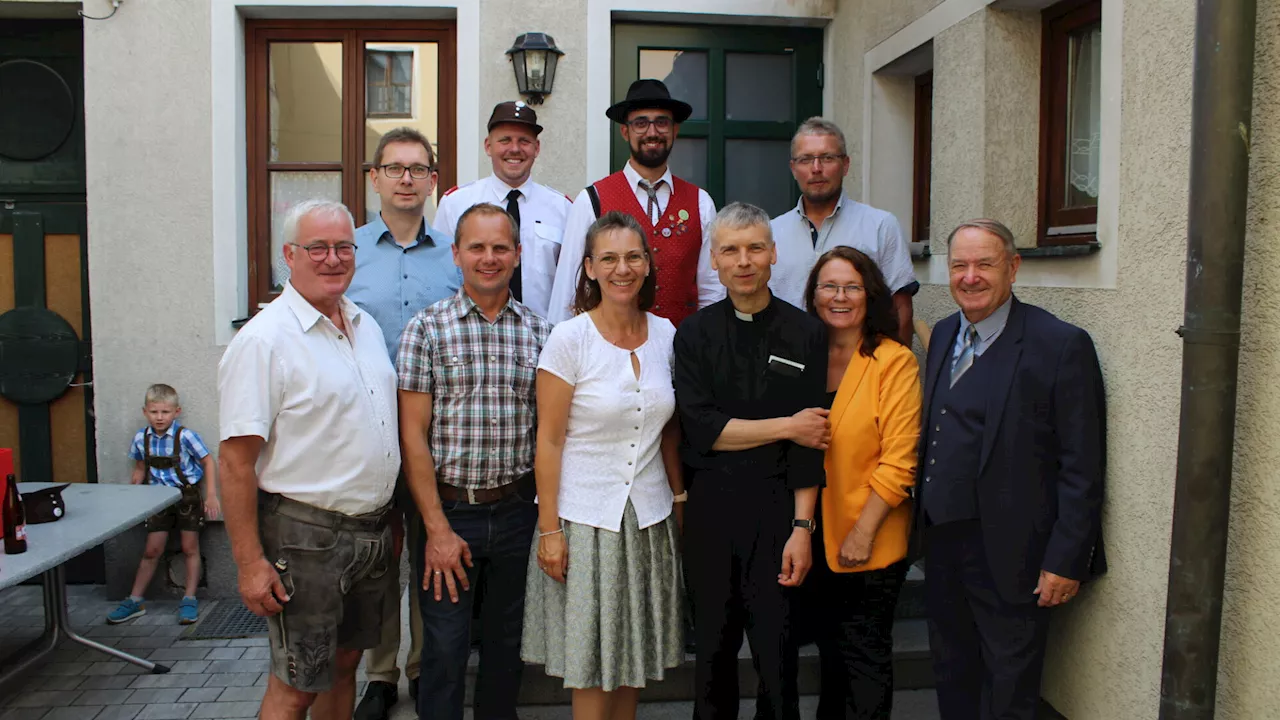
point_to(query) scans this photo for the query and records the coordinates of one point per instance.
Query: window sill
(1051, 251)
(919, 250)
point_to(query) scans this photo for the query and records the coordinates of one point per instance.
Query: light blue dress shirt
(393, 283)
(989, 328)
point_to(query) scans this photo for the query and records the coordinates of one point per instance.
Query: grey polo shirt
(874, 232)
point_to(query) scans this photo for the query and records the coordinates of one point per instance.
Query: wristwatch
(809, 525)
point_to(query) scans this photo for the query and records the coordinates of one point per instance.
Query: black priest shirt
(729, 365)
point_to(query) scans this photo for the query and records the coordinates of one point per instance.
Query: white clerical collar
(743, 316)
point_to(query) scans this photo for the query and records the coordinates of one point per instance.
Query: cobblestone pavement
(208, 678)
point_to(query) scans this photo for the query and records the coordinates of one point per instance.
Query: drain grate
(227, 619)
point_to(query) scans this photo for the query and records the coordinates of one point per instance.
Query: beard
(654, 158)
(824, 195)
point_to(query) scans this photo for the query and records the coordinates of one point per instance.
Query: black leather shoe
(378, 699)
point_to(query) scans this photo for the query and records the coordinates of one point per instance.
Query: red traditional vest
(676, 241)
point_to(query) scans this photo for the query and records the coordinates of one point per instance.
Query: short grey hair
(820, 126)
(995, 227)
(739, 216)
(327, 208)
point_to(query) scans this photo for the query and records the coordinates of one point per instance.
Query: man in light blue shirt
(402, 266)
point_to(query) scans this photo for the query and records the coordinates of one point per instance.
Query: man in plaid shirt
(467, 366)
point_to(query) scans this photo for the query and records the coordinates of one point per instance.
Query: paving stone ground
(222, 679)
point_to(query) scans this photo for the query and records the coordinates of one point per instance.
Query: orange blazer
(875, 427)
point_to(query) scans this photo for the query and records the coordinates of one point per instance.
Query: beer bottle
(15, 524)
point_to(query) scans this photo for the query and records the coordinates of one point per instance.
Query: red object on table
(6, 469)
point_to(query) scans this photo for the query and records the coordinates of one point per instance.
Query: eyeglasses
(824, 160)
(641, 124)
(319, 252)
(417, 172)
(831, 289)
(609, 261)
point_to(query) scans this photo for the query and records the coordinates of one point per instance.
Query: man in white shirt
(675, 213)
(309, 458)
(826, 217)
(512, 146)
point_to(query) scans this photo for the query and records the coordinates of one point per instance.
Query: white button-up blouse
(611, 448)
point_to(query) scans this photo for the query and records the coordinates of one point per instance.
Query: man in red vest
(676, 213)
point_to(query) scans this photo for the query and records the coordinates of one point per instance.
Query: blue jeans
(500, 535)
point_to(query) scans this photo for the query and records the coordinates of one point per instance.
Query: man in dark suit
(1009, 492)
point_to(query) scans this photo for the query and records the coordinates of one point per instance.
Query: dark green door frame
(28, 223)
(803, 44)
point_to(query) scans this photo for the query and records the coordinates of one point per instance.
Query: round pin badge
(684, 215)
(666, 232)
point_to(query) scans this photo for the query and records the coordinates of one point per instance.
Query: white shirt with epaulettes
(543, 212)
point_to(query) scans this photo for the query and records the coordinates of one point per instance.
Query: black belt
(312, 515)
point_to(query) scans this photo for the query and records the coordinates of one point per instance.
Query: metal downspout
(1222, 105)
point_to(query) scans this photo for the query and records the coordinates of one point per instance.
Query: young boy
(166, 453)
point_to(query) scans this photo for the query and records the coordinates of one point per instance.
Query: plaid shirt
(481, 379)
(193, 451)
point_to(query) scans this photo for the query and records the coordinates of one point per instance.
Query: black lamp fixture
(534, 57)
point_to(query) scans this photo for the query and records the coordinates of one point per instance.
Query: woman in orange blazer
(865, 510)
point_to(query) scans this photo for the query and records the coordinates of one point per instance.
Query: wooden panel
(6, 273)
(8, 411)
(64, 295)
(66, 416)
(63, 292)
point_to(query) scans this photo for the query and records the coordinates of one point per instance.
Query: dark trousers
(735, 532)
(500, 536)
(855, 641)
(988, 653)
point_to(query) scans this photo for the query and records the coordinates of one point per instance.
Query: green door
(750, 87)
(46, 364)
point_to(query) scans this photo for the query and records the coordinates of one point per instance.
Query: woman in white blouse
(604, 594)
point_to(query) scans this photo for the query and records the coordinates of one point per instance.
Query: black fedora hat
(649, 93)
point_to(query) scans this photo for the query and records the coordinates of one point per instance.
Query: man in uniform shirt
(512, 146)
(402, 266)
(750, 379)
(826, 217)
(675, 212)
(467, 366)
(309, 457)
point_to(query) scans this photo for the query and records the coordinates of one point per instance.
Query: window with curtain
(1070, 122)
(388, 84)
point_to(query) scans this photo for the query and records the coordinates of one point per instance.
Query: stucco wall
(1249, 663)
(846, 37)
(563, 115)
(150, 246)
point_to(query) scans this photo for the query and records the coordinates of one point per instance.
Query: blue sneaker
(128, 610)
(188, 611)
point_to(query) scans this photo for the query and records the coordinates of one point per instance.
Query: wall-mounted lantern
(534, 57)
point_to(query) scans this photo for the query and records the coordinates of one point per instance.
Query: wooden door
(46, 377)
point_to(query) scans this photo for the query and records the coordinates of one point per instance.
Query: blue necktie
(965, 360)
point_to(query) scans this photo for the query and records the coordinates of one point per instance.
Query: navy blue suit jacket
(1043, 456)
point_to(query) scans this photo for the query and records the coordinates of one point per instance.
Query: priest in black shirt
(750, 378)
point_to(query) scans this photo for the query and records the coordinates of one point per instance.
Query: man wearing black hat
(512, 146)
(676, 213)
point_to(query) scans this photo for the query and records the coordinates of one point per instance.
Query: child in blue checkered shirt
(166, 453)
